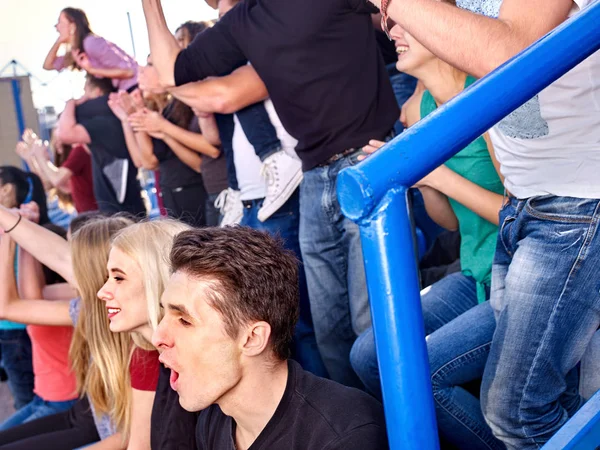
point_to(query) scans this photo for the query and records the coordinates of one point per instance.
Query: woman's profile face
(64, 27)
(124, 294)
(8, 197)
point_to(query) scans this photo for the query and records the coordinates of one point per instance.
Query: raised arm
(44, 245)
(12, 307)
(116, 105)
(69, 131)
(212, 53)
(483, 43)
(163, 45)
(58, 177)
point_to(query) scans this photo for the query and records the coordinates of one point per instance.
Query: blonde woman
(99, 357)
(139, 270)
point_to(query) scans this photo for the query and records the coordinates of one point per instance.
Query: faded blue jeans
(285, 223)
(545, 293)
(35, 409)
(333, 262)
(445, 300)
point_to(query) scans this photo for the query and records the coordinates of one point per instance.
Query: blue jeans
(404, 86)
(16, 360)
(444, 301)
(335, 272)
(458, 352)
(35, 409)
(285, 223)
(259, 130)
(545, 288)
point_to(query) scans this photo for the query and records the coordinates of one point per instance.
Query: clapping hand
(30, 211)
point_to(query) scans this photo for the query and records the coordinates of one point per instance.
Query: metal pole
(16, 91)
(131, 33)
(391, 268)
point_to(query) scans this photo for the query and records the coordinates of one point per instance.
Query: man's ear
(255, 338)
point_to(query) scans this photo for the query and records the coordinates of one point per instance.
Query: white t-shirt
(247, 165)
(551, 145)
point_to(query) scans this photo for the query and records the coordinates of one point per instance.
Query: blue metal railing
(373, 194)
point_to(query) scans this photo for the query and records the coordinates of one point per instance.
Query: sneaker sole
(268, 210)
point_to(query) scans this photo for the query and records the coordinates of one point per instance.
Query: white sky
(27, 33)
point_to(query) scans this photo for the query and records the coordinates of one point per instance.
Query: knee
(363, 354)
(363, 358)
(501, 416)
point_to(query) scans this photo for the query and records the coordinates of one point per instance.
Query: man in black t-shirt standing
(326, 78)
(90, 121)
(230, 310)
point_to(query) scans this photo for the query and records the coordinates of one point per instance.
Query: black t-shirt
(314, 413)
(174, 172)
(115, 184)
(319, 61)
(172, 427)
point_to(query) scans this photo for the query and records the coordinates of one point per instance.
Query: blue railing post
(387, 239)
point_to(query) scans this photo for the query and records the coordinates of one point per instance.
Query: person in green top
(464, 194)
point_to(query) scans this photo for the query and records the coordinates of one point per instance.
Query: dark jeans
(285, 223)
(212, 214)
(16, 360)
(63, 431)
(259, 130)
(186, 203)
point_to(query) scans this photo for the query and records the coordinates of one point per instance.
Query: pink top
(54, 380)
(103, 54)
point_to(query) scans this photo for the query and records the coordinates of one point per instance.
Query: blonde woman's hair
(99, 357)
(149, 245)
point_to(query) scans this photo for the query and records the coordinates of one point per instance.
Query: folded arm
(225, 95)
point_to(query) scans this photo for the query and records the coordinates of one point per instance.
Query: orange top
(54, 381)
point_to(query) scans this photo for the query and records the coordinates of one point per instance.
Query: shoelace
(221, 200)
(268, 172)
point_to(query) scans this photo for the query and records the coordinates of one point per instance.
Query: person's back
(115, 185)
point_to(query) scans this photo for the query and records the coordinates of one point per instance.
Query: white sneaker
(283, 174)
(230, 205)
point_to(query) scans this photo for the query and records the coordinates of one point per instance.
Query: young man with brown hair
(230, 310)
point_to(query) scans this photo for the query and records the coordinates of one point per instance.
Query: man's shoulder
(340, 409)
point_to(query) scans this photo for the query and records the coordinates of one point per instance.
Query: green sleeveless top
(478, 236)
